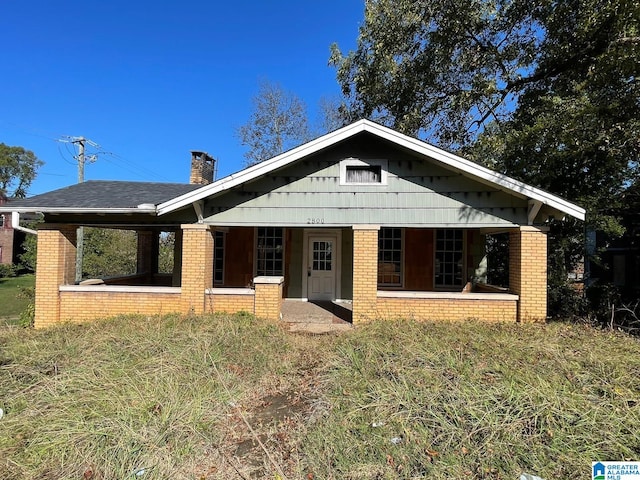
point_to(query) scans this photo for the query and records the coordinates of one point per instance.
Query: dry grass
(104, 400)
(469, 400)
(233, 397)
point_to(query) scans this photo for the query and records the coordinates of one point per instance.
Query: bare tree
(278, 123)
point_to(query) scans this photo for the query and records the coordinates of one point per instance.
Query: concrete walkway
(317, 316)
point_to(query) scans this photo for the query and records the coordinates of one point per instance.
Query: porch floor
(316, 316)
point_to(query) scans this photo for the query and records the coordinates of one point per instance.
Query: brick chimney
(202, 168)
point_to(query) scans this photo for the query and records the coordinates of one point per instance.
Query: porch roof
(99, 196)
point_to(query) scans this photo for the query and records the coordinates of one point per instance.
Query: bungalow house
(365, 215)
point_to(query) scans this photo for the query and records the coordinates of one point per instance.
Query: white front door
(321, 268)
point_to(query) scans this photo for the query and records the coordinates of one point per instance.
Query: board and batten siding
(418, 193)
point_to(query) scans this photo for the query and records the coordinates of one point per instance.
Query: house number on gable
(315, 221)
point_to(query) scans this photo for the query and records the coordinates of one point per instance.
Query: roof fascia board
(150, 211)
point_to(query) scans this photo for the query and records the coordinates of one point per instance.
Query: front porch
(375, 274)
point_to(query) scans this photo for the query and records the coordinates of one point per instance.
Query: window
(218, 258)
(390, 257)
(449, 258)
(270, 251)
(1, 221)
(363, 172)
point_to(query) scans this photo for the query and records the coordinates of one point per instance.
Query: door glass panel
(321, 255)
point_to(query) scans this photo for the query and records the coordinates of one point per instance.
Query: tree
(109, 252)
(546, 92)
(446, 69)
(17, 170)
(278, 123)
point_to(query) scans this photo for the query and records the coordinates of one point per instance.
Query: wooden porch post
(147, 252)
(197, 266)
(365, 272)
(56, 265)
(528, 272)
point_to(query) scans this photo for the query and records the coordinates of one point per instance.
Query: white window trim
(356, 162)
(448, 288)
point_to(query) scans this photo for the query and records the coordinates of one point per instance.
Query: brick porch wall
(528, 272)
(229, 303)
(81, 306)
(443, 309)
(268, 297)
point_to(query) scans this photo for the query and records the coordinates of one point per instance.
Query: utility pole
(80, 141)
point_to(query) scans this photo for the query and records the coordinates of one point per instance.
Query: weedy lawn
(232, 397)
(12, 301)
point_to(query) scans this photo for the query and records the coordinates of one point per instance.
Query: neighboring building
(364, 215)
(619, 262)
(10, 240)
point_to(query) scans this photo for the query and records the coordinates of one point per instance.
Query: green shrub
(7, 270)
(27, 316)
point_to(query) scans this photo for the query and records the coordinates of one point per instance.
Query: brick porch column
(197, 266)
(365, 272)
(528, 272)
(56, 265)
(268, 297)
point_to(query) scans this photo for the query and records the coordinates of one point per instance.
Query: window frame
(256, 253)
(400, 283)
(360, 163)
(219, 236)
(463, 251)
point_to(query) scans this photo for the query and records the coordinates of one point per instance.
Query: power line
(81, 142)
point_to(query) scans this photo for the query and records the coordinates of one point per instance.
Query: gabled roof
(449, 160)
(98, 196)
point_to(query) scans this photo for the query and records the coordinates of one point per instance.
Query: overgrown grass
(469, 400)
(12, 303)
(388, 400)
(113, 397)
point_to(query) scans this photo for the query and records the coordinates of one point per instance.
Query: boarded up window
(270, 251)
(364, 174)
(390, 257)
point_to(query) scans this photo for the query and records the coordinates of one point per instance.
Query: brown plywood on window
(238, 265)
(418, 259)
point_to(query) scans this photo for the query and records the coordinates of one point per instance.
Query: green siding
(418, 193)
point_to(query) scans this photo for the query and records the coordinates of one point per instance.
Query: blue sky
(150, 81)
